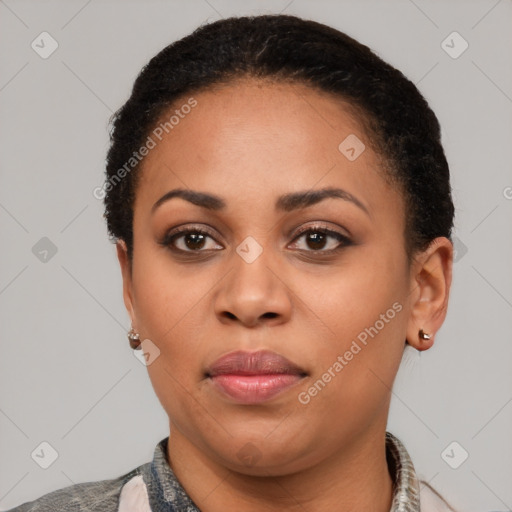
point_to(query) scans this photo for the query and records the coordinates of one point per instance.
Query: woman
(310, 175)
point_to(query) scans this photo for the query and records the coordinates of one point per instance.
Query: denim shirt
(153, 487)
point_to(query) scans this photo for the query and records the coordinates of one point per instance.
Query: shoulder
(101, 496)
(432, 501)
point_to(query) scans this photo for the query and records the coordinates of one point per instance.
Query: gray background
(67, 374)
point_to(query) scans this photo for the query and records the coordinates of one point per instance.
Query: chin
(267, 455)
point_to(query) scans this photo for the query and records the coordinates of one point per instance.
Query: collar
(166, 493)
(406, 487)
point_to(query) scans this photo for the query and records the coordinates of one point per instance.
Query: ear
(126, 272)
(431, 279)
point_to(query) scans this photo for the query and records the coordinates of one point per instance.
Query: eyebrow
(286, 202)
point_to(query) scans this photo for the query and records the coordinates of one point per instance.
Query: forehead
(253, 138)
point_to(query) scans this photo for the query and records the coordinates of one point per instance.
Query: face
(280, 316)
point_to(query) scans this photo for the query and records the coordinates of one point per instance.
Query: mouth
(253, 377)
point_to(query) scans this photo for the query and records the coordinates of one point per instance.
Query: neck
(352, 479)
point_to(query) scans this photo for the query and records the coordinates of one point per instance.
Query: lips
(253, 377)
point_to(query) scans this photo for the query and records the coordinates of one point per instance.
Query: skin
(249, 142)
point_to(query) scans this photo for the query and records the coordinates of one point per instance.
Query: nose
(254, 294)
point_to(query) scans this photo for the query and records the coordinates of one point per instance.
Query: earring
(423, 335)
(134, 339)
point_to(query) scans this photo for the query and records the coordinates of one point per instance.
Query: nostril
(231, 316)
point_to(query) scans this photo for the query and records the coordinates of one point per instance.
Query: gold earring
(134, 339)
(423, 335)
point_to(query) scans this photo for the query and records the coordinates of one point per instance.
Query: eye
(188, 239)
(195, 239)
(321, 239)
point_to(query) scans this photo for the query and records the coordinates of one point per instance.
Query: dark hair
(401, 126)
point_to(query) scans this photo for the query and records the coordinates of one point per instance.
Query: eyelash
(172, 236)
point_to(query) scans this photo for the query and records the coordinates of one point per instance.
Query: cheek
(355, 298)
(164, 295)
(365, 310)
(167, 311)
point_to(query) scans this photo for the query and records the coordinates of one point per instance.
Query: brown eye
(190, 240)
(317, 239)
